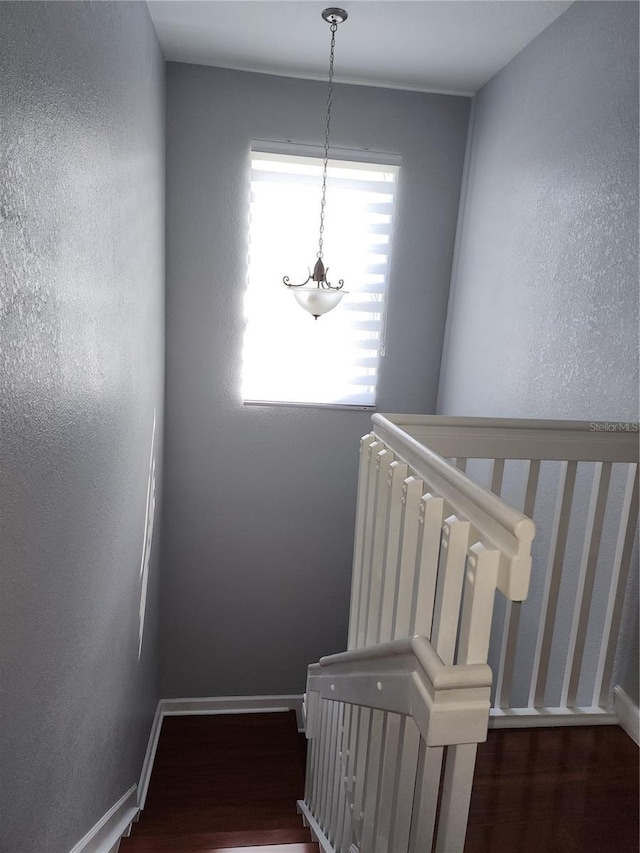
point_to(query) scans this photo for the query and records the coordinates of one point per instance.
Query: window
(288, 356)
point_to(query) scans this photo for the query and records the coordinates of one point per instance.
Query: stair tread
(214, 821)
(186, 847)
(224, 783)
(205, 842)
(309, 847)
(230, 837)
(296, 847)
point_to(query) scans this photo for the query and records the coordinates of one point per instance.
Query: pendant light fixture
(322, 296)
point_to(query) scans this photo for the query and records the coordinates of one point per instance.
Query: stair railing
(553, 655)
(410, 705)
(399, 715)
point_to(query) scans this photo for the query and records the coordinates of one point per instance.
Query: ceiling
(450, 46)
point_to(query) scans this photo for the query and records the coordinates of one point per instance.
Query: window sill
(340, 406)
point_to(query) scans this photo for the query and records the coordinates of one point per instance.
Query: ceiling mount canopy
(324, 296)
(333, 15)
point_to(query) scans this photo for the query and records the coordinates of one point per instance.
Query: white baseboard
(105, 836)
(211, 705)
(532, 718)
(233, 705)
(628, 713)
(150, 754)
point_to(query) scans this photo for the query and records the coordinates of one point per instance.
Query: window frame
(347, 155)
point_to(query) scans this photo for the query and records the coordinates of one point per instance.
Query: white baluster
(372, 777)
(311, 780)
(617, 589)
(325, 742)
(475, 631)
(343, 807)
(586, 578)
(431, 512)
(311, 700)
(349, 776)
(358, 548)
(411, 491)
(477, 609)
(405, 785)
(360, 772)
(456, 796)
(453, 554)
(497, 475)
(552, 586)
(385, 807)
(367, 547)
(331, 794)
(425, 797)
(397, 475)
(513, 609)
(380, 531)
(314, 803)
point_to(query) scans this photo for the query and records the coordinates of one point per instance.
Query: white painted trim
(233, 705)
(314, 826)
(369, 156)
(534, 718)
(147, 765)
(105, 836)
(459, 239)
(346, 81)
(628, 713)
(211, 705)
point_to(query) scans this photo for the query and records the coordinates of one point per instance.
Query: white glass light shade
(317, 301)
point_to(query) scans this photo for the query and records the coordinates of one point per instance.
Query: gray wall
(81, 348)
(543, 316)
(259, 502)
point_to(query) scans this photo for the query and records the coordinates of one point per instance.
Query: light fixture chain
(334, 27)
(325, 295)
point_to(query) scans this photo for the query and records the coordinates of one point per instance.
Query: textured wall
(260, 502)
(543, 317)
(81, 354)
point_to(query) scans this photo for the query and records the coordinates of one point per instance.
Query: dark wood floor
(223, 781)
(567, 790)
(227, 781)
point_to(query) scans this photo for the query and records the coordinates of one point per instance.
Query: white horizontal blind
(288, 356)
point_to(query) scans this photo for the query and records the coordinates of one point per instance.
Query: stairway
(225, 783)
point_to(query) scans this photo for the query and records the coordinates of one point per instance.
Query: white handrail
(500, 525)
(537, 424)
(441, 675)
(449, 703)
(516, 438)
